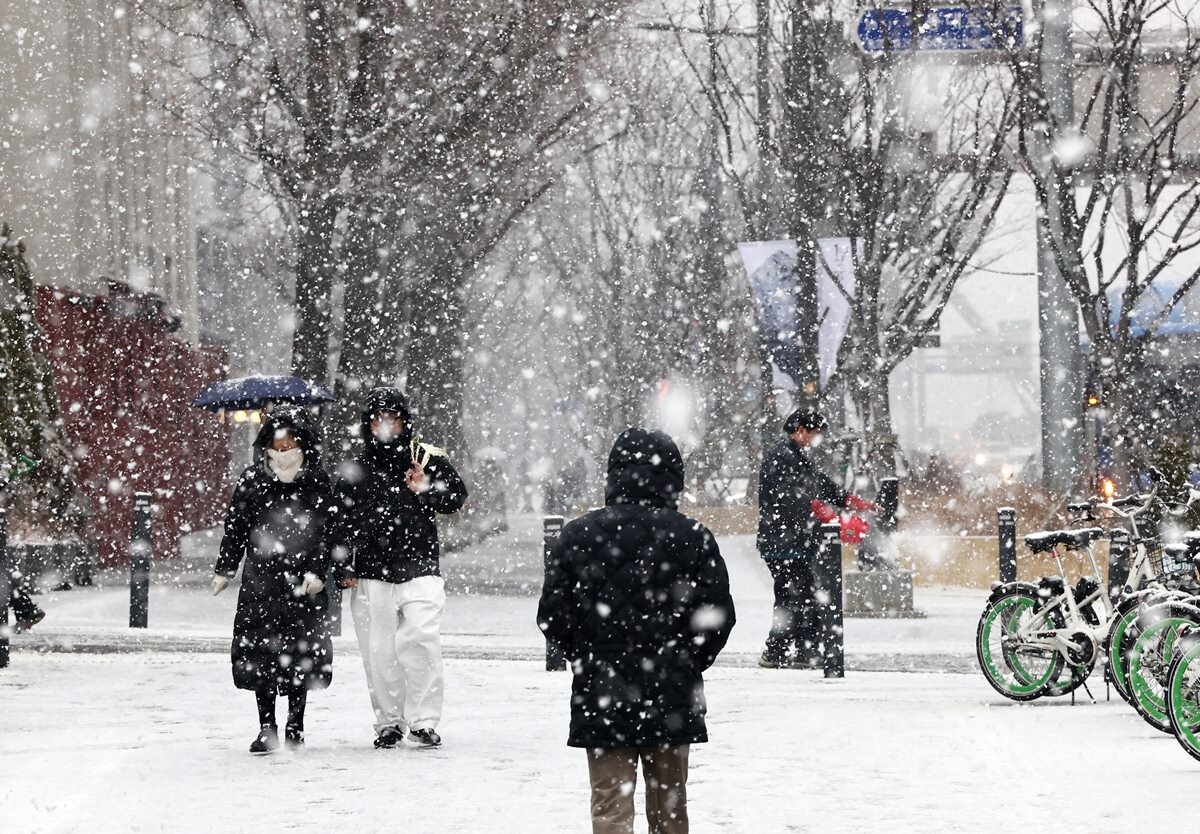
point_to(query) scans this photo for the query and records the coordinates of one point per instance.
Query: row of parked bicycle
(1045, 638)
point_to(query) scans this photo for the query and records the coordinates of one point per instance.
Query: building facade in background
(94, 173)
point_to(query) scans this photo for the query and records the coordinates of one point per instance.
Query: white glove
(311, 585)
(219, 583)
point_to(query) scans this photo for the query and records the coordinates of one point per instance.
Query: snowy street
(156, 742)
(382, 353)
(160, 735)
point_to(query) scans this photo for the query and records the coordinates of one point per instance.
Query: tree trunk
(879, 440)
(359, 366)
(435, 367)
(314, 280)
(803, 164)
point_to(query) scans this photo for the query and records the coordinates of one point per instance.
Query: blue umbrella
(254, 392)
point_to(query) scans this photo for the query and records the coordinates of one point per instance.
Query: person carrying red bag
(795, 497)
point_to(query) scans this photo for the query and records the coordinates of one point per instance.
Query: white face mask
(286, 465)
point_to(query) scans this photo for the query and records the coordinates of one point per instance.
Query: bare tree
(400, 141)
(815, 143)
(1120, 180)
(919, 205)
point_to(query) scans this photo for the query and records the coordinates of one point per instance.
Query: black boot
(267, 740)
(294, 733)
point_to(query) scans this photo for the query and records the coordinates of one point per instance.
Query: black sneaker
(425, 738)
(388, 738)
(267, 740)
(294, 738)
(26, 624)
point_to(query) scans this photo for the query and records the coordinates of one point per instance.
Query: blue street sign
(949, 29)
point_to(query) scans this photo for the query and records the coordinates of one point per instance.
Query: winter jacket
(386, 531)
(637, 596)
(787, 486)
(280, 637)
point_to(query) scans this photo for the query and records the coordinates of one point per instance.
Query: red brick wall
(124, 385)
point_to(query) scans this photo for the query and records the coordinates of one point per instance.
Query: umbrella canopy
(254, 392)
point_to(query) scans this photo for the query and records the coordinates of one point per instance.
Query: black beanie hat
(805, 418)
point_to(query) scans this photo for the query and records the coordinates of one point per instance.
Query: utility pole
(1058, 319)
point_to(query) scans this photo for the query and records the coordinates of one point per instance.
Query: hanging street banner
(771, 271)
(941, 29)
(835, 290)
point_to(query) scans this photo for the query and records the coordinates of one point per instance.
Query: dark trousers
(297, 700)
(794, 627)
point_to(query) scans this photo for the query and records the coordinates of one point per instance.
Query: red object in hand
(860, 505)
(854, 529)
(823, 512)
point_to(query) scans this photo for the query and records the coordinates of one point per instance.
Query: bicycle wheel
(1151, 656)
(1183, 695)
(1116, 647)
(1016, 672)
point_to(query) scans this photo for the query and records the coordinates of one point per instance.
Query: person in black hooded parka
(637, 596)
(277, 523)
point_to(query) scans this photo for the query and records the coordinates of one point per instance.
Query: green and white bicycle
(1045, 638)
(1154, 641)
(1183, 691)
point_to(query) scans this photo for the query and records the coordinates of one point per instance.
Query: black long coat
(788, 483)
(280, 637)
(637, 595)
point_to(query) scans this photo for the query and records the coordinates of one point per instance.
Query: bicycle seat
(1129, 501)
(1046, 541)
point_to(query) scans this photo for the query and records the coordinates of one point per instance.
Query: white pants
(398, 634)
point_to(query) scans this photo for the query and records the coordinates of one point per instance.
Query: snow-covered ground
(146, 732)
(157, 742)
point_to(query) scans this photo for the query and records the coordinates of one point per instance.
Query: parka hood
(387, 399)
(301, 424)
(644, 467)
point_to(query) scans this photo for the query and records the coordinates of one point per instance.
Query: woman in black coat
(276, 522)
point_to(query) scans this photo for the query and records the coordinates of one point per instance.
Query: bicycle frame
(1064, 640)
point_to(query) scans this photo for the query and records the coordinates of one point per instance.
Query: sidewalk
(490, 613)
(157, 742)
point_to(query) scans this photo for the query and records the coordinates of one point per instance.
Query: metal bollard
(140, 557)
(1118, 563)
(1007, 523)
(551, 526)
(888, 501)
(5, 588)
(827, 576)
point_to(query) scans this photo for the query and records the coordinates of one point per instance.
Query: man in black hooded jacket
(795, 498)
(637, 596)
(387, 547)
